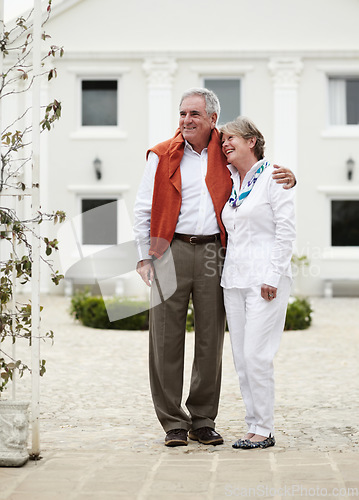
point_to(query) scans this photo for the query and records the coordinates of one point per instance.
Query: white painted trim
(330, 252)
(98, 70)
(56, 10)
(345, 69)
(340, 253)
(107, 55)
(335, 191)
(92, 249)
(61, 7)
(89, 249)
(101, 133)
(223, 70)
(98, 132)
(101, 189)
(341, 132)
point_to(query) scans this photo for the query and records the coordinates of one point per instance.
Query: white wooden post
(1, 58)
(13, 310)
(1, 65)
(35, 309)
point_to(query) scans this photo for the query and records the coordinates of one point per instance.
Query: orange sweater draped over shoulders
(167, 197)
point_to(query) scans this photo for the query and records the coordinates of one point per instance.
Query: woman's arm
(282, 204)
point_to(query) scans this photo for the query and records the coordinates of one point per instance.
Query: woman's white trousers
(256, 327)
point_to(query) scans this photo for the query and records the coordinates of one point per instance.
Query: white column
(285, 73)
(160, 73)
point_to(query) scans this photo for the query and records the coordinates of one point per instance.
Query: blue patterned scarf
(235, 200)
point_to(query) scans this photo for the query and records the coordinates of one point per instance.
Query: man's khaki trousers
(196, 274)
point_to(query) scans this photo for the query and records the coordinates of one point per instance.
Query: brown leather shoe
(176, 437)
(206, 435)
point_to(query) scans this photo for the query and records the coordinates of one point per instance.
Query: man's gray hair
(212, 101)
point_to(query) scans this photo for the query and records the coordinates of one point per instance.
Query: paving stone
(177, 496)
(349, 471)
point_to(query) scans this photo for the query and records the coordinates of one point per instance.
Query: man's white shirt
(197, 215)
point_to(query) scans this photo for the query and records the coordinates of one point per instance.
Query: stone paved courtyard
(100, 438)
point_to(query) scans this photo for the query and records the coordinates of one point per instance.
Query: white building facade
(292, 67)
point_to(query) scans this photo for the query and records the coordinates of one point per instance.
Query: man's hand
(284, 176)
(268, 292)
(146, 271)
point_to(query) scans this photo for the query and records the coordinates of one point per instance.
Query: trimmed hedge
(92, 311)
(298, 315)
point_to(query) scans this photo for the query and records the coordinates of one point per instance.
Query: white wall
(208, 25)
(202, 38)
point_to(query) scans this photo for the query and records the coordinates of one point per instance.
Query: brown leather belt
(197, 240)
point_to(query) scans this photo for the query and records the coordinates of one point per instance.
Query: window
(344, 101)
(345, 223)
(99, 103)
(228, 93)
(99, 221)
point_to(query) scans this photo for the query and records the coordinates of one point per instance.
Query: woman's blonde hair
(244, 127)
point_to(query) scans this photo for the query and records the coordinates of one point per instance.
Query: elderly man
(178, 216)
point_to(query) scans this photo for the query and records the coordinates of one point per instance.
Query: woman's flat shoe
(238, 443)
(246, 444)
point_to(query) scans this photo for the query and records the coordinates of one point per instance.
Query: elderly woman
(259, 219)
